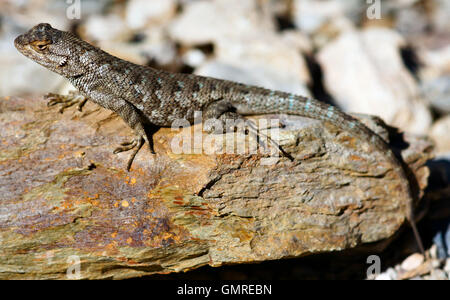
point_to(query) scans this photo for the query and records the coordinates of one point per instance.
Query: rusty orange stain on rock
(355, 157)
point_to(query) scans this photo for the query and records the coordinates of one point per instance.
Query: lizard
(148, 99)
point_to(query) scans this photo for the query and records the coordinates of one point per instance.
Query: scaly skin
(149, 98)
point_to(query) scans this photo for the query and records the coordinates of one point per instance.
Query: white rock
(139, 13)
(447, 266)
(194, 57)
(297, 40)
(155, 46)
(412, 262)
(364, 72)
(310, 15)
(390, 274)
(266, 50)
(104, 28)
(256, 75)
(439, 133)
(438, 274)
(262, 59)
(204, 22)
(441, 15)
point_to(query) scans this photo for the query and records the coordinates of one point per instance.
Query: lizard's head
(51, 48)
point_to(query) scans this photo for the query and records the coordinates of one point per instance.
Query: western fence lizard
(147, 98)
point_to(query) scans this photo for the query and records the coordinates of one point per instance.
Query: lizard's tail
(283, 103)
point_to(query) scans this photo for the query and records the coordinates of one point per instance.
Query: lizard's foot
(66, 101)
(135, 144)
(227, 122)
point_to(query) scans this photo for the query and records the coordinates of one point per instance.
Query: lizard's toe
(135, 144)
(66, 101)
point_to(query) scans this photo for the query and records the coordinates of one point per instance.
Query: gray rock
(256, 75)
(357, 75)
(104, 28)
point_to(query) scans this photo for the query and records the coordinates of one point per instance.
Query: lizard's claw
(66, 100)
(135, 144)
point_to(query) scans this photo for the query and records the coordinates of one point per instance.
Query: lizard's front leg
(72, 98)
(134, 118)
(143, 134)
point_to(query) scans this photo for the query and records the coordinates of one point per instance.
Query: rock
(370, 85)
(438, 274)
(280, 56)
(194, 57)
(253, 75)
(141, 13)
(311, 15)
(390, 274)
(439, 133)
(420, 270)
(435, 76)
(200, 23)
(411, 20)
(447, 266)
(100, 28)
(154, 47)
(297, 40)
(437, 92)
(441, 16)
(412, 262)
(68, 208)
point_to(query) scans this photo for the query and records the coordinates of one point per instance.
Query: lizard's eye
(40, 46)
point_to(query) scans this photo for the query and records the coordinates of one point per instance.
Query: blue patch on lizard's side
(330, 112)
(291, 101)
